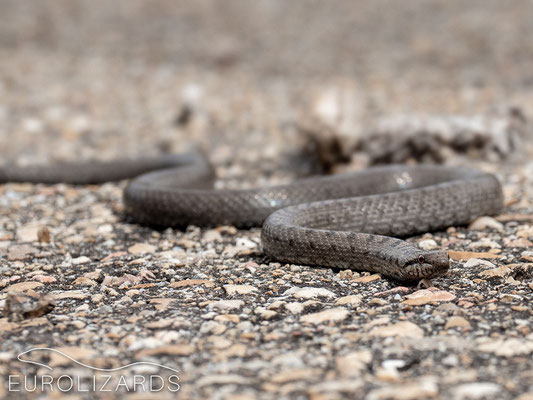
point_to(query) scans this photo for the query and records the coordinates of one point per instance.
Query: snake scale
(350, 220)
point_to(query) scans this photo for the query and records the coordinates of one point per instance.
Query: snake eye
(421, 259)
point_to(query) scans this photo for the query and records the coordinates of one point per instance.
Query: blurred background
(94, 78)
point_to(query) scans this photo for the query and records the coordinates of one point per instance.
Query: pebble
(402, 328)
(451, 361)
(244, 242)
(212, 328)
(428, 244)
(484, 243)
(219, 342)
(160, 324)
(192, 282)
(71, 294)
(467, 255)
(476, 262)
(353, 300)
(396, 290)
(295, 308)
(43, 235)
(44, 278)
(506, 270)
(527, 255)
(239, 289)
(23, 286)
(525, 231)
(228, 318)
(425, 296)
(141, 249)
(28, 233)
(309, 293)
(226, 305)
(328, 388)
(84, 281)
(367, 278)
(352, 364)
(458, 322)
(507, 347)
(482, 223)
(346, 274)
(292, 359)
(172, 350)
(20, 252)
(294, 375)
(265, 314)
(97, 298)
(333, 315)
(424, 388)
(517, 243)
(212, 235)
(80, 260)
(476, 390)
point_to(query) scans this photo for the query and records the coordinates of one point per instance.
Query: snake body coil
(344, 220)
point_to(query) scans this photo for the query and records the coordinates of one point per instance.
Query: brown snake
(343, 221)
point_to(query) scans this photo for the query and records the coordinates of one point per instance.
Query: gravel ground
(86, 79)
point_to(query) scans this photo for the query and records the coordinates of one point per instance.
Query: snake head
(426, 264)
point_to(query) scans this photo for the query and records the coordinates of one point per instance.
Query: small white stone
(105, 228)
(451, 360)
(28, 232)
(482, 223)
(239, 289)
(333, 314)
(507, 348)
(402, 328)
(213, 328)
(225, 305)
(80, 260)
(145, 343)
(351, 364)
(288, 360)
(33, 125)
(212, 235)
(393, 364)
(476, 390)
(422, 389)
(484, 243)
(353, 300)
(309, 293)
(141, 248)
(265, 314)
(209, 315)
(295, 308)
(428, 244)
(476, 262)
(247, 243)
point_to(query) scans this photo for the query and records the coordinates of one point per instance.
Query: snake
(354, 220)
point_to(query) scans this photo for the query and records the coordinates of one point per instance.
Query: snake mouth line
(428, 271)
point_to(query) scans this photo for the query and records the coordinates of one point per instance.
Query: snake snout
(428, 264)
(438, 263)
(438, 259)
